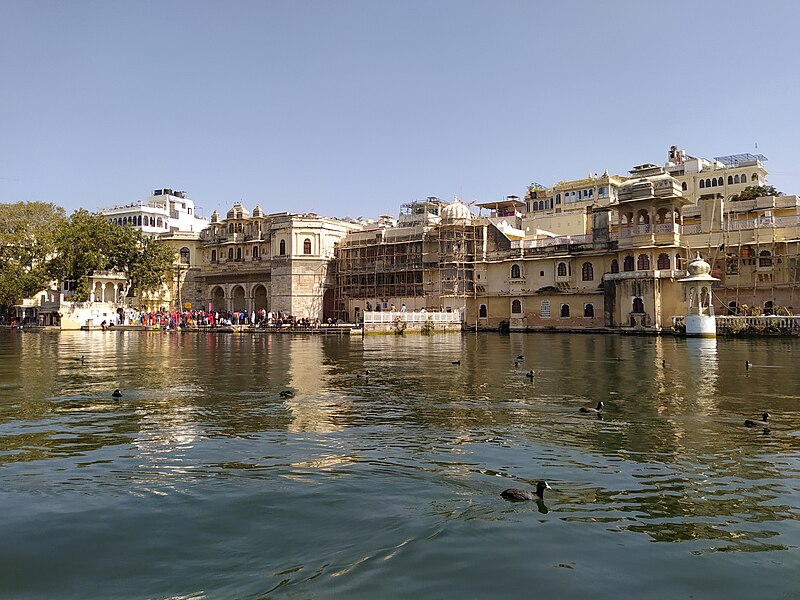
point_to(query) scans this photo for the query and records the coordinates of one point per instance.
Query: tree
(756, 191)
(89, 242)
(28, 233)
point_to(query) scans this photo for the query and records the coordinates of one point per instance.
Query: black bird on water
(456, 362)
(518, 495)
(756, 423)
(747, 365)
(530, 374)
(116, 393)
(521, 357)
(287, 394)
(594, 411)
(81, 359)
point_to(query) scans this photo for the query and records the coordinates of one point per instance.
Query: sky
(353, 108)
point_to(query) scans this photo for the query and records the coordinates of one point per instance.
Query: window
(765, 259)
(684, 187)
(544, 309)
(213, 256)
(730, 179)
(643, 263)
(708, 183)
(735, 179)
(482, 311)
(282, 250)
(238, 254)
(588, 310)
(185, 255)
(561, 270)
(602, 192)
(541, 273)
(663, 261)
(627, 264)
(615, 266)
(230, 253)
(255, 251)
(733, 308)
(702, 184)
(638, 305)
(516, 307)
(515, 272)
(307, 246)
(587, 271)
(768, 307)
(564, 311)
(754, 177)
(230, 227)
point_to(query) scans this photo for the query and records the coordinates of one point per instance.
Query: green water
(202, 482)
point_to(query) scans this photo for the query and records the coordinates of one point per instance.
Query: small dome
(456, 211)
(698, 267)
(238, 211)
(257, 212)
(215, 217)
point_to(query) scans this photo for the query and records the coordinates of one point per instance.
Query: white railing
(552, 241)
(755, 325)
(412, 317)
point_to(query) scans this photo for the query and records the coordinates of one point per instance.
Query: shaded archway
(237, 298)
(260, 298)
(218, 299)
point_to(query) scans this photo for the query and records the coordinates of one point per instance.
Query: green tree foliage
(756, 191)
(89, 242)
(28, 233)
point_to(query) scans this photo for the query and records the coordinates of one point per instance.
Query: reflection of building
(277, 262)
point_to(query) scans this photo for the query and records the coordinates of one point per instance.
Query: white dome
(456, 211)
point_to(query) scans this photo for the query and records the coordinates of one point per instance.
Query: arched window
(769, 307)
(684, 187)
(230, 253)
(541, 204)
(516, 307)
(730, 179)
(708, 183)
(733, 308)
(587, 272)
(735, 179)
(307, 246)
(702, 184)
(238, 254)
(588, 310)
(765, 258)
(255, 251)
(627, 264)
(159, 223)
(663, 261)
(564, 311)
(561, 270)
(213, 256)
(515, 272)
(753, 177)
(185, 255)
(638, 305)
(230, 227)
(615, 266)
(282, 250)
(482, 311)
(643, 263)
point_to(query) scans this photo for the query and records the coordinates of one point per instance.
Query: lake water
(201, 481)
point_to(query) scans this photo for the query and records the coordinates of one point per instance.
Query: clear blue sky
(351, 108)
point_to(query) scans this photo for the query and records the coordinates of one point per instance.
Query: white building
(163, 213)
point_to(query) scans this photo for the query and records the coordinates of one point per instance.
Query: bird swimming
(521, 357)
(287, 394)
(456, 362)
(518, 495)
(747, 365)
(530, 374)
(116, 393)
(756, 423)
(78, 359)
(588, 409)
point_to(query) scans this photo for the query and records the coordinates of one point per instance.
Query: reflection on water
(383, 471)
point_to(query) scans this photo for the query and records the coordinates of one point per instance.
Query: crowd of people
(202, 318)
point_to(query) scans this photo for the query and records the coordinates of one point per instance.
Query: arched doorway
(328, 305)
(237, 298)
(260, 298)
(218, 299)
